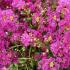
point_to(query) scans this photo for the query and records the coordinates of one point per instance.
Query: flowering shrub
(34, 34)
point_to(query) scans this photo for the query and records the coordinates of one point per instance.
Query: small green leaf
(13, 67)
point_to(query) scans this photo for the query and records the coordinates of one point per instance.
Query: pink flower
(25, 39)
(48, 64)
(7, 16)
(18, 4)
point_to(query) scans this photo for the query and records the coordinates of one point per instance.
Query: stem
(29, 52)
(26, 67)
(25, 58)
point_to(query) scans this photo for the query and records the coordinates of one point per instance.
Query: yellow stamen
(51, 64)
(49, 38)
(37, 19)
(47, 50)
(11, 18)
(54, 17)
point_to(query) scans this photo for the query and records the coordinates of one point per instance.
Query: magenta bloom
(64, 2)
(48, 64)
(64, 61)
(18, 4)
(7, 16)
(25, 39)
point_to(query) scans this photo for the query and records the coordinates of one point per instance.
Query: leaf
(13, 67)
(22, 61)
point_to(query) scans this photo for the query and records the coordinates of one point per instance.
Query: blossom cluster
(35, 30)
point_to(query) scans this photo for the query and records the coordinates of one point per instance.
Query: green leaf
(13, 67)
(29, 19)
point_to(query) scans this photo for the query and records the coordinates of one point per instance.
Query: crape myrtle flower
(25, 39)
(8, 16)
(15, 37)
(7, 57)
(19, 4)
(48, 64)
(63, 7)
(64, 2)
(64, 61)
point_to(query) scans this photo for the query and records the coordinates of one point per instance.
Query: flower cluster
(36, 31)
